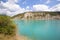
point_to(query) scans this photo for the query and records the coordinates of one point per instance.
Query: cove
(39, 29)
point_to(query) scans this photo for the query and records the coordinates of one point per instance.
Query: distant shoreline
(38, 16)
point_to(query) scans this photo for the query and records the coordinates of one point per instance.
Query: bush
(7, 27)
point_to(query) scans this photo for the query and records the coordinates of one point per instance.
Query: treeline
(54, 13)
(7, 26)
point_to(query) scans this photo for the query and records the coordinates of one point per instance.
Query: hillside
(37, 15)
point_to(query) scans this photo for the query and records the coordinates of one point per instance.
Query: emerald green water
(39, 29)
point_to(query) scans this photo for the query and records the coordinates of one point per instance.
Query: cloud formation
(40, 7)
(11, 8)
(55, 8)
(12, 1)
(58, 0)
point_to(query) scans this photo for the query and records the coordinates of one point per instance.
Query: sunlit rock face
(38, 15)
(28, 15)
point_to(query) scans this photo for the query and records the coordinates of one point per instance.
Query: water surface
(39, 29)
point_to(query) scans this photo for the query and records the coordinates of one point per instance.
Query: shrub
(7, 27)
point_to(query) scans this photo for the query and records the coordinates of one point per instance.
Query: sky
(13, 7)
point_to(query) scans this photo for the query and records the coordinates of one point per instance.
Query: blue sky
(30, 3)
(34, 2)
(17, 6)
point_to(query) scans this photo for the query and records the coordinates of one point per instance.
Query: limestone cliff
(38, 15)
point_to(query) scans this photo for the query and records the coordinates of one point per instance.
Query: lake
(39, 29)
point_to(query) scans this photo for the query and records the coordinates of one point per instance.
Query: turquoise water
(39, 29)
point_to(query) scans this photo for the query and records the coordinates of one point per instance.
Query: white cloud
(58, 0)
(28, 10)
(27, 7)
(11, 5)
(12, 1)
(3, 11)
(11, 8)
(40, 7)
(55, 8)
(2, 8)
(16, 0)
(15, 13)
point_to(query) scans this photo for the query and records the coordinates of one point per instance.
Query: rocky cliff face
(38, 15)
